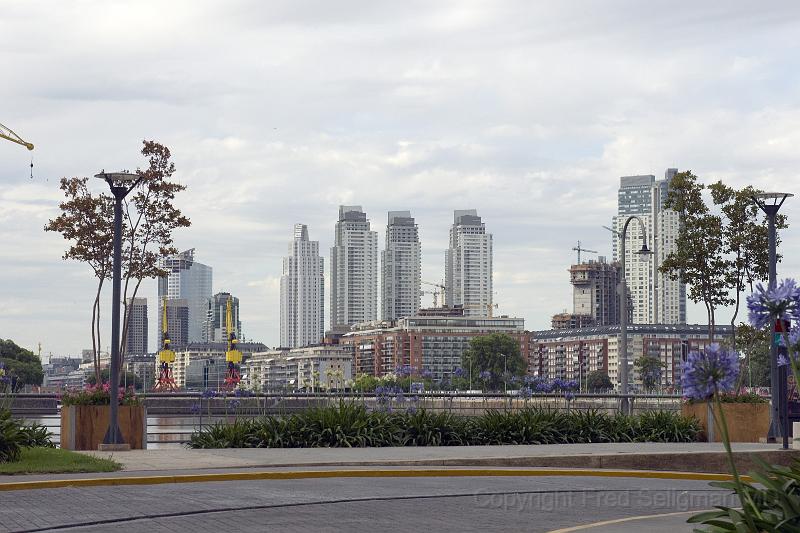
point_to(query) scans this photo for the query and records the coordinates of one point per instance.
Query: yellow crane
(440, 289)
(232, 355)
(166, 356)
(9, 135)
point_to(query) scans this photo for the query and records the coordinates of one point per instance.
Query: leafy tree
(650, 371)
(698, 258)
(754, 344)
(22, 366)
(495, 353)
(746, 240)
(365, 383)
(149, 218)
(598, 380)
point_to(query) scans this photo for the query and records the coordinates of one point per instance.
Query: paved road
(353, 504)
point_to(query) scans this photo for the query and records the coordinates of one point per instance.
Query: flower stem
(749, 505)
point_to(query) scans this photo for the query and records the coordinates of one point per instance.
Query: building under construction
(594, 291)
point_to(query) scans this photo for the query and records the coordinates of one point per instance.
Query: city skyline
(395, 107)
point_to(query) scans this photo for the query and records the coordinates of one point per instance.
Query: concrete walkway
(684, 457)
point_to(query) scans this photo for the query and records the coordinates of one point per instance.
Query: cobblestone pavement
(352, 504)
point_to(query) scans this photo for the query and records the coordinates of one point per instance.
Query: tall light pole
(505, 372)
(770, 203)
(623, 309)
(121, 184)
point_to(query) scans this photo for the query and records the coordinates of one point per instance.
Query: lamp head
(118, 179)
(645, 250)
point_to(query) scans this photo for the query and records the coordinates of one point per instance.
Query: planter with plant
(747, 416)
(85, 414)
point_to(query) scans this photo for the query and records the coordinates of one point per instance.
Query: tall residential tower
(190, 281)
(401, 276)
(354, 269)
(468, 265)
(136, 337)
(302, 292)
(656, 299)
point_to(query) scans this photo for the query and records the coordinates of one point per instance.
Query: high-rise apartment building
(191, 281)
(401, 276)
(215, 328)
(177, 322)
(136, 336)
(594, 291)
(302, 292)
(354, 269)
(655, 298)
(468, 265)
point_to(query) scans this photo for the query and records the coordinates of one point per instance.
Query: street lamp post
(623, 310)
(770, 203)
(121, 184)
(505, 372)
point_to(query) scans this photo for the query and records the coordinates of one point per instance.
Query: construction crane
(9, 135)
(440, 289)
(166, 357)
(579, 250)
(232, 356)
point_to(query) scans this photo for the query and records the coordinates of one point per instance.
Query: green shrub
(353, 425)
(11, 440)
(36, 436)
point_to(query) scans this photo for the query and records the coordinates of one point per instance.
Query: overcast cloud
(277, 112)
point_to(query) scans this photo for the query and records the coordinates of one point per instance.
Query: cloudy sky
(277, 112)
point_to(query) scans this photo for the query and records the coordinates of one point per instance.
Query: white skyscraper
(189, 280)
(400, 281)
(354, 269)
(656, 299)
(302, 292)
(468, 264)
(215, 327)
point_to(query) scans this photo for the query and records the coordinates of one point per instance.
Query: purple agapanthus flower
(195, 408)
(525, 392)
(458, 372)
(426, 373)
(209, 393)
(782, 360)
(767, 305)
(712, 370)
(485, 374)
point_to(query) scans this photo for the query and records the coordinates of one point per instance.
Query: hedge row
(352, 425)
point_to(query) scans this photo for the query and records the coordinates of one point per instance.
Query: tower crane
(232, 356)
(440, 289)
(579, 250)
(166, 357)
(9, 135)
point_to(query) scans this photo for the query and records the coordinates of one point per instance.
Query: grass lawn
(56, 461)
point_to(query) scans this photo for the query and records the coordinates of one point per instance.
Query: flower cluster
(710, 371)
(767, 305)
(458, 372)
(99, 395)
(485, 375)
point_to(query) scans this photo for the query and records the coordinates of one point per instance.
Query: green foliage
(57, 461)
(650, 371)
(20, 363)
(352, 425)
(698, 256)
(11, 440)
(773, 503)
(365, 383)
(598, 381)
(486, 354)
(754, 344)
(36, 436)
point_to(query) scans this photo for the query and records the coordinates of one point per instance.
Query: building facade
(354, 269)
(136, 335)
(202, 365)
(190, 281)
(402, 267)
(310, 368)
(215, 328)
(572, 354)
(302, 292)
(177, 323)
(594, 291)
(433, 343)
(468, 265)
(655, 298)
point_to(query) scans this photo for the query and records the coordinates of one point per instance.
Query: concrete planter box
(747, 422)
(83, 427)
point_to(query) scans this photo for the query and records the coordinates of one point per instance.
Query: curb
(321, 474)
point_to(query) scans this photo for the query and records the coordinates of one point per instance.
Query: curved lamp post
(121, 184)
(770, 203)
(623, 309)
